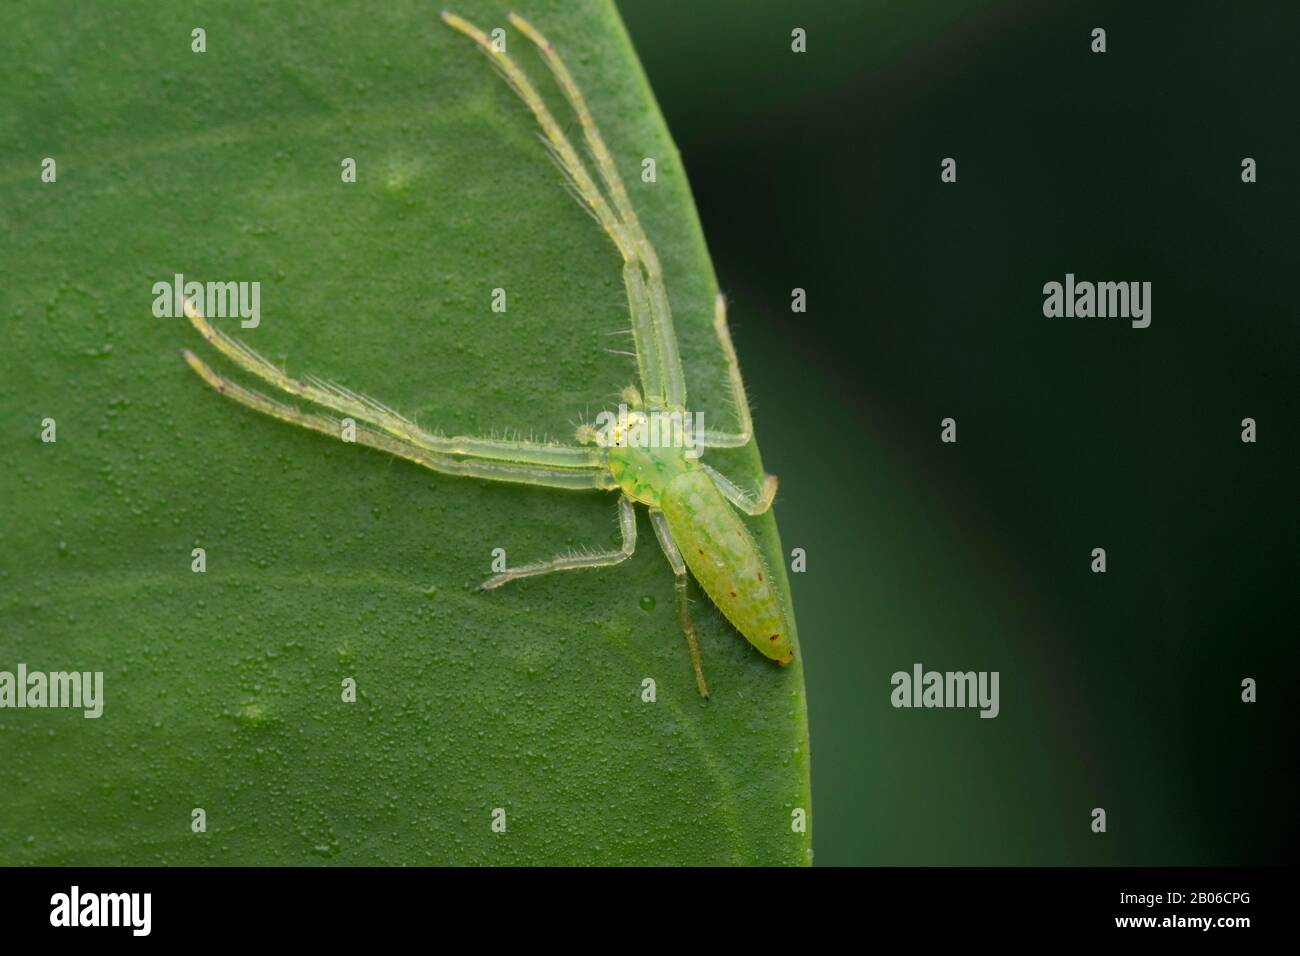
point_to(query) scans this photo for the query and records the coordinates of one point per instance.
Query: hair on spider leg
(571, 186)
(505, 75)
(574, 192)
(566, 128)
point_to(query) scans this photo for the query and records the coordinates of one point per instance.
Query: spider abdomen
(726, 561)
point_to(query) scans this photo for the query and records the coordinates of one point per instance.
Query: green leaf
(327, 560)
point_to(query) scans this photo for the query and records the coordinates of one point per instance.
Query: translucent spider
(690, 503)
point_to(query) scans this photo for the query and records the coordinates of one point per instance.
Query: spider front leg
(346, 402)
(674, 557)
(568, 562)
(515, 472)
(656, 345)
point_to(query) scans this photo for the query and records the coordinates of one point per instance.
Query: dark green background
(1121, 691)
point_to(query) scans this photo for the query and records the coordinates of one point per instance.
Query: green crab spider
(692, 506)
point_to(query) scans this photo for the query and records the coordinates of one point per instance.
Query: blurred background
(1120, 690)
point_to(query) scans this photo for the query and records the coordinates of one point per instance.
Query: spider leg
(658, 361)
(568, 562)
(558, 143)
(347, 402)
(674, 557)
(749, 504)
(716, 439)
(673, 390)
(518, 472)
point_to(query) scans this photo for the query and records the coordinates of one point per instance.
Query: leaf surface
(325, 561)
